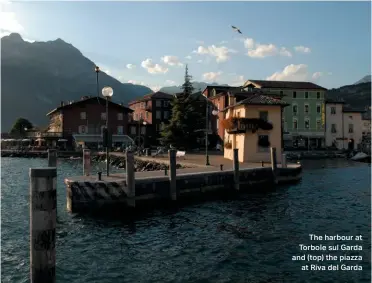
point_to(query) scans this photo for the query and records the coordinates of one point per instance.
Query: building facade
(304, 120)
(252, 140)
(343, 126)
(150, 112)
(81, 123)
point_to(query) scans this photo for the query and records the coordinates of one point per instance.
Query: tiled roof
(158, 94)
(86, 99)
(284, 84)
(334, 101)
(353, 110)
(259, 99)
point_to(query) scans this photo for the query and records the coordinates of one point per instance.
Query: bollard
(284, 160)
(99, 176)
(172, 174)
(147, 152)
(166, 171)
(52, 158)
(236, 169)
(43, 203)
(273, 162)
(221, 167)
(262, 164)
(86, 162)
(129, 159)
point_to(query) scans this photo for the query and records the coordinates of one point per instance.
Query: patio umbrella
(26, 140)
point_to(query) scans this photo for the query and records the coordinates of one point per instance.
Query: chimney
(62, 103)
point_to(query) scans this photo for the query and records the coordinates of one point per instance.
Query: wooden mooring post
(86, 162)
(274, 164)
(129, 159)
(236, 169)
(52, 158)
(173, 174)
(43, 203)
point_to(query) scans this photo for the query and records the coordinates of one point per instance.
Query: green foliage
(20, 126)
(186, 118)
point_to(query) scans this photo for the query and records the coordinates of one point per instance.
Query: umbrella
(62, 140)
(26, 140)
(39, 139)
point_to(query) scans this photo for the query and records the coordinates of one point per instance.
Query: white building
(343, 126)
(366, 126)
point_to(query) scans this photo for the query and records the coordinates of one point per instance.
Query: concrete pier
(88, 193)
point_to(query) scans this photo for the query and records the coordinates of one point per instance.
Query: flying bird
(236, 29)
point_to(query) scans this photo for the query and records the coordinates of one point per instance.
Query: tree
(185, 120)
(20, 126)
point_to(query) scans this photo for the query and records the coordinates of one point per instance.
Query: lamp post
(206, 132)
(97, 71)
(107, 92)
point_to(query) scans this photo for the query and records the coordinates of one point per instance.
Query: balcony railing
(44, 135)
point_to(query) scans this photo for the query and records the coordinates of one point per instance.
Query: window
(238, 114)
(158, 114)
(157, 127)
(143, 105)
(263, 143)
(83, 115)
(351, 117)
(351, 128)
(333, 110)
(135, 116)
(306, 95)
(264, 115)
(217, 123)
(294, 109)
(166, 103)
(120, 130)
(133, 130)
(158, 103)
(83, 129)
(103, 116)
(166, 114)
(143, 130)
(333, 128)
(141, 116)
(281, 92)
(102, 127)
(120, 116)
(318, 125)
(285, 127)
(307, 124)
(318, 95)
(318, 108)
(294, 94)
(295, 124)
(306, 108)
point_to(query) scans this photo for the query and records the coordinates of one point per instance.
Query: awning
(98, 138)
(122, 138)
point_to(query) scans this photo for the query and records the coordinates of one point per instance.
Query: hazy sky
(150, 42)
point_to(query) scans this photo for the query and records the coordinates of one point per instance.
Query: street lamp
(96, 69)
(107, 92)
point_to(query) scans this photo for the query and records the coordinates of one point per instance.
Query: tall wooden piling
(236, 169)
(86, 162)
(274, 164)
(43, 203)
(172, 174)
(52, 158)
(129, 159)
(284, 160)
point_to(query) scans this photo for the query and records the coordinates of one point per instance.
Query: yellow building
(253, 125)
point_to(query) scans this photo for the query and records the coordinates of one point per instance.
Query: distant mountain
(366, 79)
(36, 77)
(197, 86)
(356, 96)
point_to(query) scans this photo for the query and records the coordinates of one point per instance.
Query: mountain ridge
(41, 74)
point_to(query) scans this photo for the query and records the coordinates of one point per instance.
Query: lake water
(189, 245)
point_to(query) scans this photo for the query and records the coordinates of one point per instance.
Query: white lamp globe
(107, 91)
(215, 112)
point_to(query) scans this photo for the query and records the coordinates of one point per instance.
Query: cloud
(237, 81)
(170, 82)
(171, 60)
(266, 50)
(317, 75)
(222, 53)
(153, 68)
(136, 82)
(199, 61)
(249, 43)
(188, 57)
(291, 73)
(130, 66)
(223, 42)
(302, 49)
(9, 23)
(211, 76)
